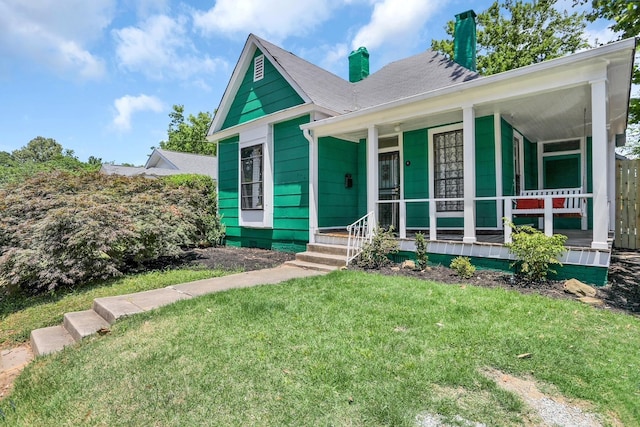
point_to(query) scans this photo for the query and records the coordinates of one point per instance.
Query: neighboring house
(423, 144)
(164, 162)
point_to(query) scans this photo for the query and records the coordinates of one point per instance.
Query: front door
(389, 189)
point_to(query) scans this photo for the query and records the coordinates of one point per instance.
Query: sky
(101, 76)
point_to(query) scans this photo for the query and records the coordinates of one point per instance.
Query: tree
(39, 150)
(191, 136)
(527, 33)
(625, 18)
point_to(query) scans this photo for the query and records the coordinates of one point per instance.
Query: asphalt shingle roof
(417, 74)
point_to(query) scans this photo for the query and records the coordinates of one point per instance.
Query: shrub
(376, 253)
(463, 267)
(60, 229)
(535, 251)
(421, 251)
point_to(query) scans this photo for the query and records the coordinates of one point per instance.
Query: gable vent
(258, 68)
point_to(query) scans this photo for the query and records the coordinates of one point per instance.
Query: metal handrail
(360, 233)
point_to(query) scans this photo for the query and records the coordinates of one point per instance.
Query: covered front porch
(534, 145)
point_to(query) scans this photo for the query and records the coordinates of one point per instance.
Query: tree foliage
(624, 16)
(40, 155)
(189, 136)
(60, 229)
(516, 33)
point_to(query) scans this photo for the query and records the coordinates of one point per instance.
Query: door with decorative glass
(389, 189)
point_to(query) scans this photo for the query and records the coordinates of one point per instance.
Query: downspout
(313, 185)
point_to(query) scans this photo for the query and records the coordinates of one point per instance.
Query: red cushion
(558, 203)
(528, 204)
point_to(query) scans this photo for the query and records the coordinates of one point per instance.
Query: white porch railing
(360, 233)
(575, 203)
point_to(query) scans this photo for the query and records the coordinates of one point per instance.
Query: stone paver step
(50, 340)
(327, 249)
(83, 323)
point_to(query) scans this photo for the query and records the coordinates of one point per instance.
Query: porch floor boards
(575, 238)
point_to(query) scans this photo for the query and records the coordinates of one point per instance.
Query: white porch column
(469, 159)
(600, 168)
(372, 171)
(313, 184)
(497, 136)
(611, 183)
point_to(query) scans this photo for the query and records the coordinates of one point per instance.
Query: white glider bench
(565, 202)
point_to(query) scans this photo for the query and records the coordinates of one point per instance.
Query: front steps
(322, 256)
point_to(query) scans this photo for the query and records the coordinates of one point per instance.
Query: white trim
(280, 116)
(242, 66)
(469, 156)
(430, 154)
(262, 218)
(518, 136)
(313, 184)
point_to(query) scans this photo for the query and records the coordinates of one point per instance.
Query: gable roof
(417, 74)
(184, 162)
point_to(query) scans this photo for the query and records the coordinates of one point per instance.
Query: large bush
(61, 229)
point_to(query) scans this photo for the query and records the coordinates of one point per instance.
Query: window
(252, 184)
(449, 170)
(258, 68)
(554, 147)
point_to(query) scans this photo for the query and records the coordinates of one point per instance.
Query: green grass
(20, 314)
(348, 348)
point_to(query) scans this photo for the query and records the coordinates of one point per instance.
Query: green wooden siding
(530, 160)
(339, 206)
(506, 131)
(228, 186)
(485, 172)
(290, 230)
(291, 186)
(257, 99)
(416, 176)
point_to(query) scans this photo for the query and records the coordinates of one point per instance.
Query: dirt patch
(12, 362)
(551, 408)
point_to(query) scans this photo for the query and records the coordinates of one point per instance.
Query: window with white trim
(251, 165)
(258, 68)
(449, 170)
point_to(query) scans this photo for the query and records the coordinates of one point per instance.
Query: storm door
(389, 189)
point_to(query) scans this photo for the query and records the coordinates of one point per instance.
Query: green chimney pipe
(358, 64)
(464, 40)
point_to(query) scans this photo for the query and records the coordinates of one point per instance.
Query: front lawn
(20, 314)
(348, 348)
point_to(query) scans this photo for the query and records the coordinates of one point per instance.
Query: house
(424, 144)
(165, 162)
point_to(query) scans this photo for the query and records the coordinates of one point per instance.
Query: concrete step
(311, 265)
(50, 340)
(332, 239)
(320, 258)
(111, 309)
(83, 323)
(327, 249)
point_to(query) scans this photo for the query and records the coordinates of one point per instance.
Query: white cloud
(395, 21)
(56, 34)
(127, 105)
(275, 19)
(160, 47)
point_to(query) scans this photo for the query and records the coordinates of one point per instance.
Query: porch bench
(565, 202)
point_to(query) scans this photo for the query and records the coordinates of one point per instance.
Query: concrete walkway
(106, 311)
